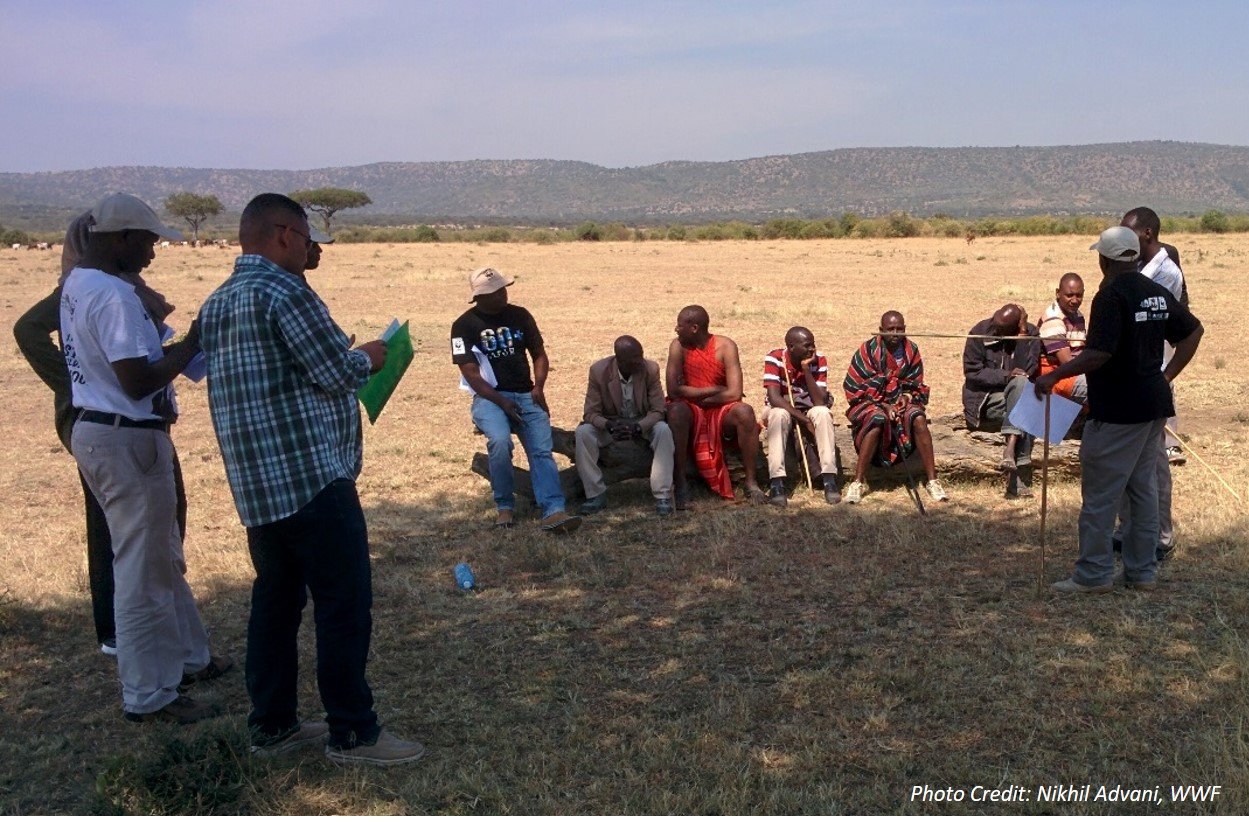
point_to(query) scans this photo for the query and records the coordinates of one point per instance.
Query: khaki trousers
(779, 423)
(591, 441)
(159, 633)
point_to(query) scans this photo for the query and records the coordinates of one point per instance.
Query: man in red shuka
(705, 410)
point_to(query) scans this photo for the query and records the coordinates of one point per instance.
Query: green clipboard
(376, 392)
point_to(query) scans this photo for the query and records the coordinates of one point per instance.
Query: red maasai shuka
(703, 370)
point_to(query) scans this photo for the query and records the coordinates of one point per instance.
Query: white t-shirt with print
(1163, 270)
(103, 321)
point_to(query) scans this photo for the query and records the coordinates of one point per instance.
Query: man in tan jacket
(624, 401)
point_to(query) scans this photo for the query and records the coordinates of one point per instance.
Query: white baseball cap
(125, 212)
(1118, 243)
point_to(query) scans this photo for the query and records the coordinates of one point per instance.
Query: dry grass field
(733, 659)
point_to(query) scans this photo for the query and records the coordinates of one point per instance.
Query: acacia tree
(194, 208)
(329, 201)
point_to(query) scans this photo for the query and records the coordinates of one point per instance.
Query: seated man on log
(489, 343)
(1063, 330)
(800, 366)
(887, 401)
(996, 372)
(705, 409)
(624, 401)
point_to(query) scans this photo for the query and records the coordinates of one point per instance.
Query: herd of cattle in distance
(164, 244)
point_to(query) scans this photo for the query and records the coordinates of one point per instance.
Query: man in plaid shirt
(282, 381)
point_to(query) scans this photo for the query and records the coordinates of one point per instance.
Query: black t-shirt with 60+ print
(503, 338)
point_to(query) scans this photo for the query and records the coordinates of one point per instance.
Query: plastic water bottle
(464, 579)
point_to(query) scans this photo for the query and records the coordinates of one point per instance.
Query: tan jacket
(603, 398)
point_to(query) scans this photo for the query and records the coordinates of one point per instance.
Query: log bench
(960, 454)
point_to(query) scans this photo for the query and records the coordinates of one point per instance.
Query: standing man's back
(1129, 401)
(282, 383)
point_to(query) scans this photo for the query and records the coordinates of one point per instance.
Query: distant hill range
(1172, 177)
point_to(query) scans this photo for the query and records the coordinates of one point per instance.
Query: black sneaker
(776, 493)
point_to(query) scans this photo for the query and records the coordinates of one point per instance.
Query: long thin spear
(1045, 470)
(1204, 464)
(963, 336)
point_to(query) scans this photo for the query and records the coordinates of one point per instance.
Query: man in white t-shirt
(120, 377)
(1158, 265)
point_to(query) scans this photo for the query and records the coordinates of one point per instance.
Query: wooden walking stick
(802, 446)
(1045, 468)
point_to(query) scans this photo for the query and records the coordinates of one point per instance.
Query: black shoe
(776, 493)
(594, 504)
(831, 495)
(1163, 552)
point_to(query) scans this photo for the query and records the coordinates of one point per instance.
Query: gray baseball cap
(125, 212)
(1118, 243)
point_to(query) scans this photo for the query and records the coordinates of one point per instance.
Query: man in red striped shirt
(807, 405)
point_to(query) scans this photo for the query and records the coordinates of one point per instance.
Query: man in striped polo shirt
(807, 405)
(1063, 330)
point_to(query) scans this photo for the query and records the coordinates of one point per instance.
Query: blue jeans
(535, 435)
(323, 548)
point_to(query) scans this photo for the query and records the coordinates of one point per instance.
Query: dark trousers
(99, 566)
(324, 549)
(100, 554)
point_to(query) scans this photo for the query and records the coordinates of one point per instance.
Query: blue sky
(278, 84)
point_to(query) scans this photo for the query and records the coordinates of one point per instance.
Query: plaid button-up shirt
(281, 388)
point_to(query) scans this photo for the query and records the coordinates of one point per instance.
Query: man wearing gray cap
(120, 376)
(1129, 402)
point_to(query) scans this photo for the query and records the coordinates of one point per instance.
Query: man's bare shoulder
(725, 348)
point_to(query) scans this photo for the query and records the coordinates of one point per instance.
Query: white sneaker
(1176, 456)
(854, 492)
(936, 491)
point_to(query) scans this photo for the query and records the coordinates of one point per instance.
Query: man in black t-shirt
(492, 343)
(1129, 402)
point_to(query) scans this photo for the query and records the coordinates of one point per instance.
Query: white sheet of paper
(1029, 414)
(390, 330)
(197, 368)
